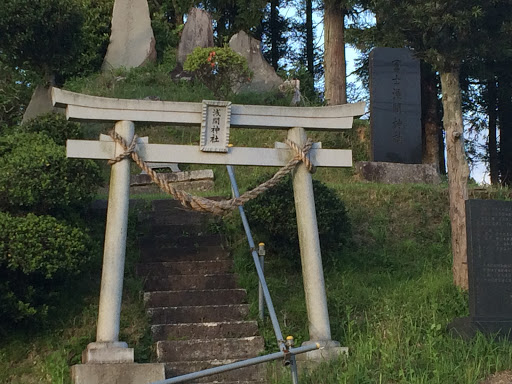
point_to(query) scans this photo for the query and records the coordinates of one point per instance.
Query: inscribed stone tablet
(395, 106)
(489, 231)
(215, 126)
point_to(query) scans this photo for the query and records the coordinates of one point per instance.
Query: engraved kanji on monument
(395, 106)
(489, 236)
(489, 231)
(215, 126)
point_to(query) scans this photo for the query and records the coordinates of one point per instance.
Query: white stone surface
(92, 108)
(264, 77)
(197, 32)
(40, 104)
(107, 353)
(115, 241)
(311, 258)
(132, 42)
(266, 157)
(117, 373)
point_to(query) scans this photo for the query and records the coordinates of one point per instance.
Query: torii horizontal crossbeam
(168, 153)
(93, 108)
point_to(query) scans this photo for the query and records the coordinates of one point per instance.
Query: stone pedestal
(117, 373)
(396, 173)
(329, 350)
(109, 352)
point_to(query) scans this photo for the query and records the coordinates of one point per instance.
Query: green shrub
(220, 69)
(54, 126)
(272, 217)
(36, 176)
(37, 254)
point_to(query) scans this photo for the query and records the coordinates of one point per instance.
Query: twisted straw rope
(203, 204)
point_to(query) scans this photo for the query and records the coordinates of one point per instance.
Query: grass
(44, 352)
(390, 293)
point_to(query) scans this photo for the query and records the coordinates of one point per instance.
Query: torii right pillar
(311, 259)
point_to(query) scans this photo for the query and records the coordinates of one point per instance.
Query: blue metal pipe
(238, 364)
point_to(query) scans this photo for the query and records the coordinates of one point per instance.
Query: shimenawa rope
(203, 204)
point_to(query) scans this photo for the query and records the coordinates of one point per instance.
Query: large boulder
(264, 77)
(197, 32)
(132, 42)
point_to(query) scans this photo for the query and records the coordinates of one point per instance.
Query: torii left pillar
(109, 360)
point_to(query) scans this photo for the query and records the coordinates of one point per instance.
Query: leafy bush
(220, 69)
(37, 254)
(54, 126)
(36, 176)
(273, 218)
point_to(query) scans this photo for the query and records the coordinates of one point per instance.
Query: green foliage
(14, 95)
(36, 176)
(41, 33)
(55, 37)
(55, 126)
(37, 253)
(94, 37)
(220, 69)
(166, 35)
(273, 218)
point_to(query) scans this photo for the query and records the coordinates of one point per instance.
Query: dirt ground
(504, 377)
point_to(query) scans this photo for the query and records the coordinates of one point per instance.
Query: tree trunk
(274, 30)
(493, 115)
(429, 118)
(309, 37)
(334, 53)
(505, 121)
(178, 15)
(458, 173)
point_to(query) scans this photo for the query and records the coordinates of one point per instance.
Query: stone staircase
(195, 307)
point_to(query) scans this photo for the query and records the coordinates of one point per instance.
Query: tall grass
(390, 295)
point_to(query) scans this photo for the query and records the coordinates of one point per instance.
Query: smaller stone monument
(197, 32)
(40, 104)
(132, 42)
(395, 106)
(264, 77)
(489, 235)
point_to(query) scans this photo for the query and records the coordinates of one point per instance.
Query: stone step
(191, 253)
(194, 297)
(168, 204)
(163, 268)
(202, 314)
(169, 240)
(190, 282)
(251, 374)
(213, 330)
(175, 230)
(176, 216)
(206, 349)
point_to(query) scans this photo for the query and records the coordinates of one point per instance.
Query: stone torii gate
(215, 119)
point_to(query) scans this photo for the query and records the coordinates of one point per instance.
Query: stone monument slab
(132, 42)
(264, 77)
(489, 234)
(197, 32)
(395, 106)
